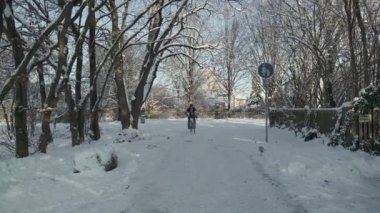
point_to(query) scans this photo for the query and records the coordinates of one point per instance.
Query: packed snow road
(163, 168)
(218, 169)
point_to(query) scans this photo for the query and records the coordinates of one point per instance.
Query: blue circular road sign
(265, 70)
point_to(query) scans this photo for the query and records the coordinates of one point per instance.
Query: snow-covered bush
(342, 133)
(8, 143)
(129, 135)
(368, 102)
(310, 134)
(345, 132)
(369, 98)
(95, 160)
(111, 162)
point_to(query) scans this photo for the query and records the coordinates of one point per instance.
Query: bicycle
(192, 125)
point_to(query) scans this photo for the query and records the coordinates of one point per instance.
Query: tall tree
(363, 35)
(229, 64)
(80, 117)
(350, 25)
(21, 85)
(52, 97)
(2, 7)
(94, 122)
(159, 41)
(124, 114)
(149, 59)
(231, 34)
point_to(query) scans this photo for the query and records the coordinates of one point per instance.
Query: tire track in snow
(279, 187)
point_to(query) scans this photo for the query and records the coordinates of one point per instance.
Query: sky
(163, 168)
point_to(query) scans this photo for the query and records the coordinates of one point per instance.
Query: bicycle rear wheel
(192, 125)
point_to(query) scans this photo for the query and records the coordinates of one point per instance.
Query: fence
(248, 113)
(364, 127)
(297, 118)
(368, 128)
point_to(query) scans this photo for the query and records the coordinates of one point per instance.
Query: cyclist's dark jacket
(191, 112)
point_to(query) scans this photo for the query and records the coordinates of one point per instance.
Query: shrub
(110, 164)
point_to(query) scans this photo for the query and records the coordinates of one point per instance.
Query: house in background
(216, 95)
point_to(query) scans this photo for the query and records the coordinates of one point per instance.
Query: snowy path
(208, 173)
(166, 169)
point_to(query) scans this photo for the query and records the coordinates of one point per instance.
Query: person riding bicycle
(191, 114)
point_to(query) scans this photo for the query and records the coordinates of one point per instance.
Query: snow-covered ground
(165, 169)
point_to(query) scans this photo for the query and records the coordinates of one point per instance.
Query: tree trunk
(139, 92)
(21, 117)
(378, 63)
(230, 32)
(328, 72)
(78, 85)
(148, 62)
(94, 121)
(137, 103)
(329, 93)
(7, 122)
(124, 114)
(52, 99)
(350, 32)
(229, 93)
(75, 139)
(363, 34)
(80, 110)
(46, 135)
(21, 86)
(41, 80)
(376, 47)
(2, 7)
(72, 104)
(136, 111)
(191, 88)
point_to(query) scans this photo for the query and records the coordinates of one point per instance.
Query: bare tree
(372, 13)
(21, 103)
(159, 40)
(229, 64)
(2, 7)
(187, 70)
(350, 21)
(94, 119)
(124, 114)
(363, 34)
(52, 97)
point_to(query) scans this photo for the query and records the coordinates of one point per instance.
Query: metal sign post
(266, 71)
(266, 109)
